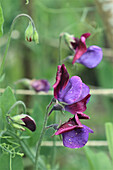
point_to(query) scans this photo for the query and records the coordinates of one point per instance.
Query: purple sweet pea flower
(40, 85)
(75, 135)
(90, 57)
(73, 93)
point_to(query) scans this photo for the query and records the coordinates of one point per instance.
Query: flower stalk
(9, 38)
(17, 103)
(42, 135)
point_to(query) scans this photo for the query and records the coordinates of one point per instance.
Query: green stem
(17, 103)
(9, 38)
(10, 162)
(54, 146)
(41, 137)
(60, 38)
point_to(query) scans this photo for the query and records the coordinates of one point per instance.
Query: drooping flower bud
(23, 120)
(29, 32)
(36, 37)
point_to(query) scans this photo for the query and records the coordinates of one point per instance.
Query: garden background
(28, 60)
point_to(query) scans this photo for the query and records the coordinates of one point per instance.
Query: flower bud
(23, 120)
(56, 107)
(35, 37)
(29, 32)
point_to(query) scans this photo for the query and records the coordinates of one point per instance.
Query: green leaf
(98, 160)
(7, 100)
(1, 21)
(109, 135)
(17, 163)
(2, 77)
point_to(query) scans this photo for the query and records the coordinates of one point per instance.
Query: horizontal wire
(90, 143)
(31, 92)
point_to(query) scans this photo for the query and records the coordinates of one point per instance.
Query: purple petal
(40, 85)
(29, 123)
(85, 92)
(72, 91)
(69, 125)
(78, 106)
(92, 57)
(81, 49)
(62, 78)
(77, 137)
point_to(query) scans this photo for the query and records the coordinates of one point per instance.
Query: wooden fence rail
(31, 92)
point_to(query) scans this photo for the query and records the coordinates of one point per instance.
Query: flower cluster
(73, 95)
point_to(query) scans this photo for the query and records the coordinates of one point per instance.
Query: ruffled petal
(81, 49)
(92, 57)
(71, 124)
(77, 137)
(72, 91)
(62, 78)
(78, 106)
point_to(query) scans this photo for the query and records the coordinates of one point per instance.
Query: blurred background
(28, 60)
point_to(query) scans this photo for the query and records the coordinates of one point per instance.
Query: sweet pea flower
(23, 120)
(40, 85)
(75, 134)
(36, 85)
(72, 93)
(90, 57)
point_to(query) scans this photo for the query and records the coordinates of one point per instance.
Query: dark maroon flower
(90, 57)
(75, 135)
(72, 93)
(40, 85)
(23, 120)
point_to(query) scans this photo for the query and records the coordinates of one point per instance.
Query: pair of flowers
(73, 95)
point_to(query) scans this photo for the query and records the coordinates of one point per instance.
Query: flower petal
(62, 78)
(67, 126)
(72, 91)
(81, 49)
(40, 85)
(77, 137)
(78, 106)
(29, 123)
(92, 57)
(82, 115)
(84, 93)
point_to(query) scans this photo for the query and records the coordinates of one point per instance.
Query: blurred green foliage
(27, 60)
